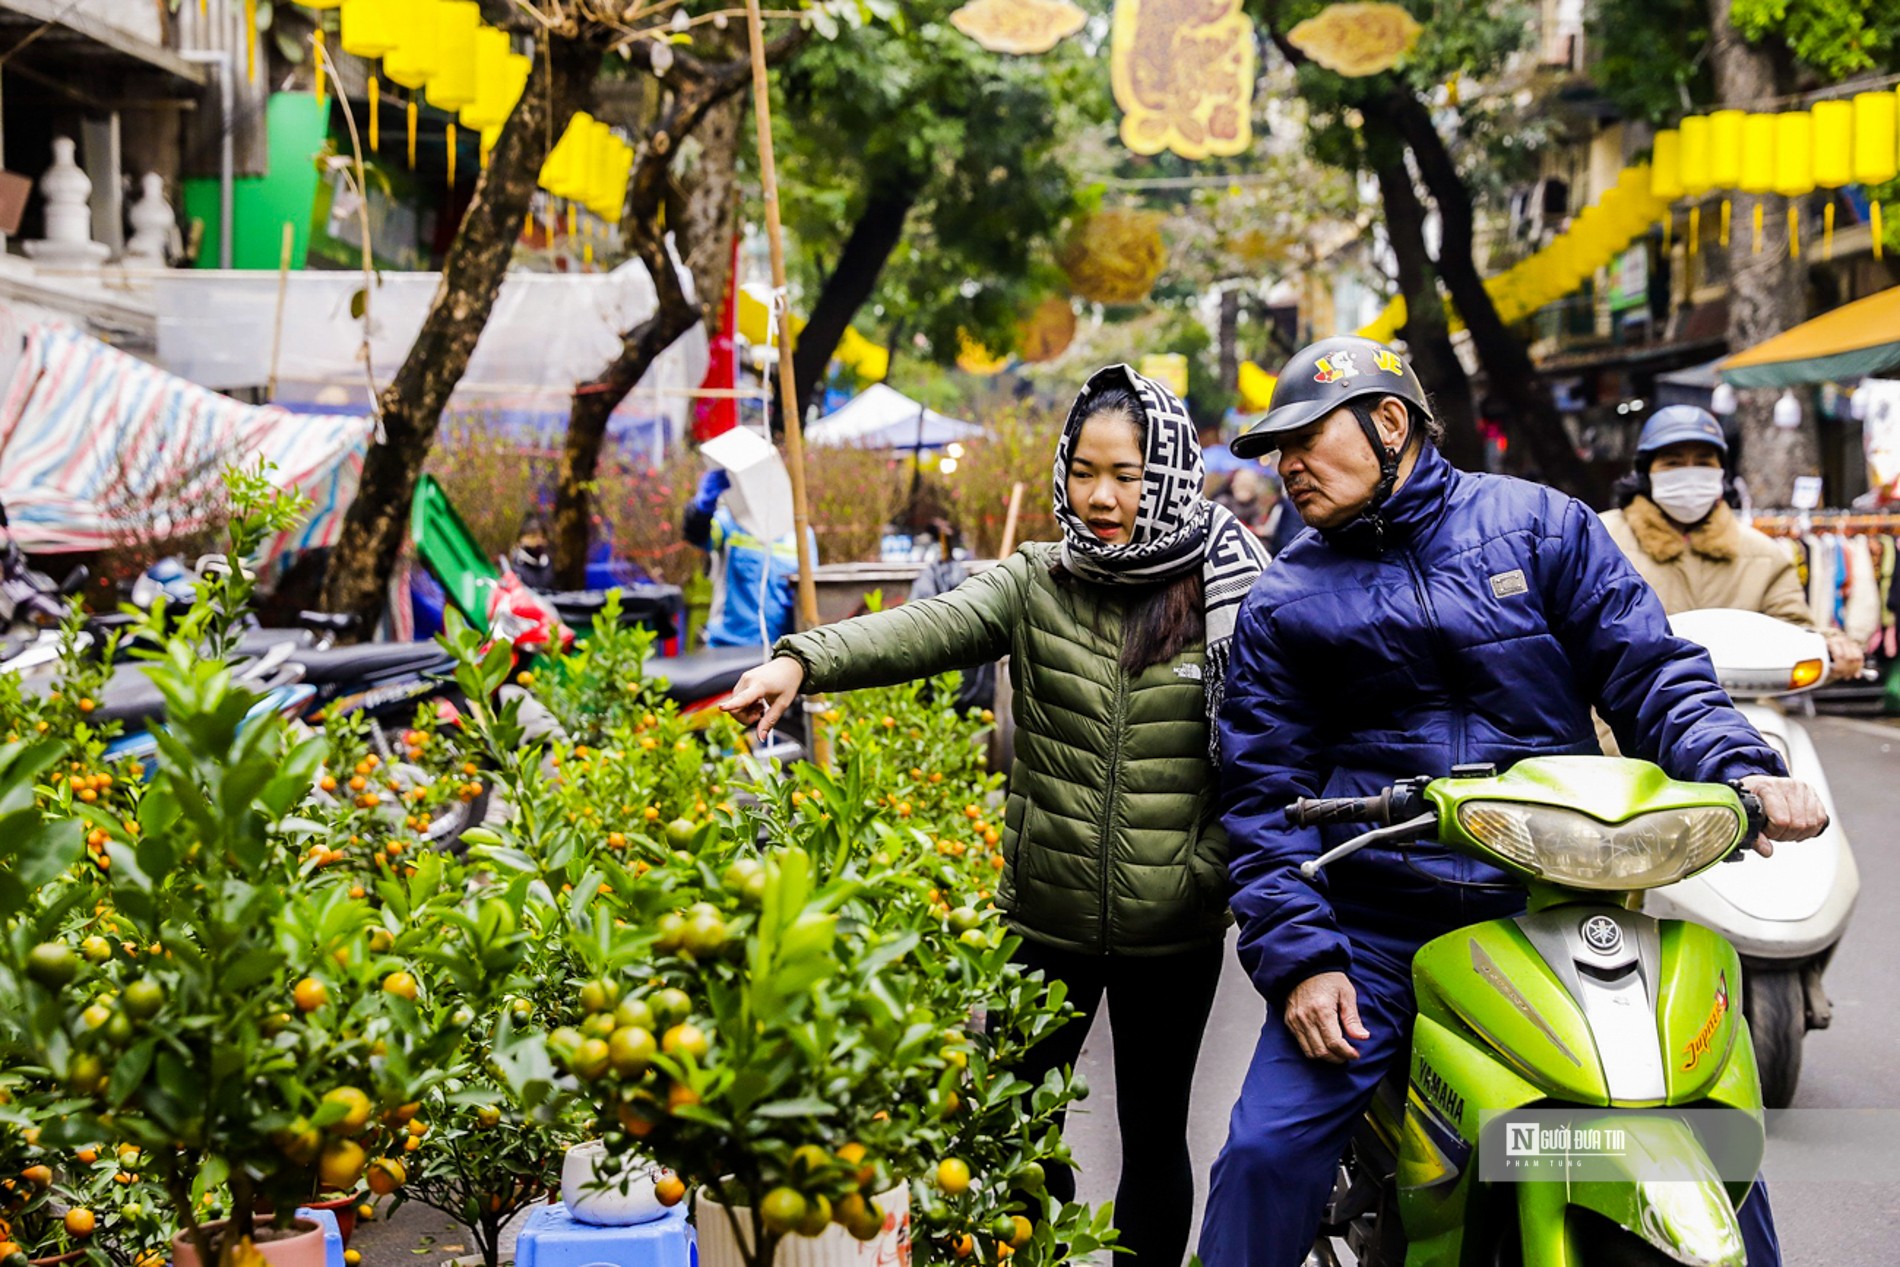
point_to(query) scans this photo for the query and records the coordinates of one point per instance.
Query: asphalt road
(1853, 1065)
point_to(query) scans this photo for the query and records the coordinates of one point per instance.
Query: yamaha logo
(1602, 934)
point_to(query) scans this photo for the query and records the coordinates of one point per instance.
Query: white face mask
(1688, 493)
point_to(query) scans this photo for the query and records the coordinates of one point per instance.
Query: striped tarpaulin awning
(99, 449)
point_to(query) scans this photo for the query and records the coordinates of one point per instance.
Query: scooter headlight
(1574, 849)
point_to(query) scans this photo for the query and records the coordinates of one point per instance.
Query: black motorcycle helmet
(1345, 370)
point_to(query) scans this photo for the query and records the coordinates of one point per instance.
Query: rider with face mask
(1679, 533)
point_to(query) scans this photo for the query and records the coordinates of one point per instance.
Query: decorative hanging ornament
(411, 59)
(449, 139)
(1665, 169)
(1019, 26)
(1183, 76)
(453, 84)
(1357, 39)
(1047, 331)
(1115, 256)
(367, 27)
(375, 115)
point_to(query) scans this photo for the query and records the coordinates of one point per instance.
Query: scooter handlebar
(1321, 811)
(1756, 818)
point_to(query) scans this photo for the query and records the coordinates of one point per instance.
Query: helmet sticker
(1389, 361)
(1330, 369)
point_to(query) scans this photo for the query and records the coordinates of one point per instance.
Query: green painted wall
(297, 125)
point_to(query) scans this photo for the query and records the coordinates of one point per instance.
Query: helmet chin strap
(1389, 458)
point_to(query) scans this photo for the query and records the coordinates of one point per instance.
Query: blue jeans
(1294, 1117)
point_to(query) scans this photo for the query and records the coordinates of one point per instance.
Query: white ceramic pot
(835, 1247)
(609, 1191)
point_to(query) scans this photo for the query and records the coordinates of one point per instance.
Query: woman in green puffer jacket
(1114, 860)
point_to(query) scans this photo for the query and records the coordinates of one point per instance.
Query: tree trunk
(879, 228)
(1511, 375)
(1766, 293)
(697, 96)
(595, 400)
(1230, 338)
(1427, 333)
(412, 404)
(709, 214)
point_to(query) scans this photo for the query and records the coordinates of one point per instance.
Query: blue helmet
(1679, 424)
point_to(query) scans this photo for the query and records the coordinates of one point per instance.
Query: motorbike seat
(372, 661)
(701, 675)
(130, 699)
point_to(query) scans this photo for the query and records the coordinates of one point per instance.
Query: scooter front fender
(1690, 1219)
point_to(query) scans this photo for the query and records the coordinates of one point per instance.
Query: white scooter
(1785, 914)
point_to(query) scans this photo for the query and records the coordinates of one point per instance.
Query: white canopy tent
(881, 417)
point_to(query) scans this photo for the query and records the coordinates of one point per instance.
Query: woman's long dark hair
(1164, 620)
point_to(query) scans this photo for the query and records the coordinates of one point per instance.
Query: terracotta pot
(301, 1245)
(345, 1210)
(835, 1247)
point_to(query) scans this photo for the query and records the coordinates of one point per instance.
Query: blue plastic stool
(332, 1234)
(552, 1238)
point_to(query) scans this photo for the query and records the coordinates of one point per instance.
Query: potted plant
(794, 1031)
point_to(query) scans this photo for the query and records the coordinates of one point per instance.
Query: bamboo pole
(277, 325)
(1009, 522)
(820, 747)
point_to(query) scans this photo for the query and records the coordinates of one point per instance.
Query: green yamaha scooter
(1581, 1004)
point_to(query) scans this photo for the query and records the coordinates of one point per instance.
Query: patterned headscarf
(1176, 527)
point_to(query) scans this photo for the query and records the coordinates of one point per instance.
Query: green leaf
(801, 1106)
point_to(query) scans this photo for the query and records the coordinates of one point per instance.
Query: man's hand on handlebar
(1846, 657)
(1793, 810)
(1323, 1013)
(764, 693)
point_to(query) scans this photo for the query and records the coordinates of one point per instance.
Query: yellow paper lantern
(319, 4)
(491, 80)
(551, 165)
(565, 173)
(454, 83)
(1759, 132)
(368, 28)
(411, 59)
(1794, 153)
(1695, 154)
(603, 157)
(1874, 135)
(1725, 148)
(1833, 143)
(1665, 170)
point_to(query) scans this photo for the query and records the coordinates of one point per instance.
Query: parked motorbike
(1785, 914)
(1581, 1002)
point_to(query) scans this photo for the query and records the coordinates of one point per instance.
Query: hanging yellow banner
(1183, 72)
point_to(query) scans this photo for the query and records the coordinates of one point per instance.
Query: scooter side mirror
(75, 581)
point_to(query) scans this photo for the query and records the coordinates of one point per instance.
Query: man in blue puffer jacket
(1426, 618)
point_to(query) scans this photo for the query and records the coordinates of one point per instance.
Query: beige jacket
(1721, 562)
